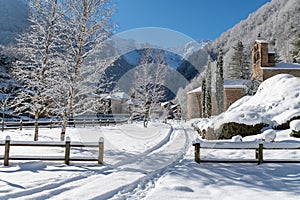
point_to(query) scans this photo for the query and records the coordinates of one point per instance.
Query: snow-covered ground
(152, 163)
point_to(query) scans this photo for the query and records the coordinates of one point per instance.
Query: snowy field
(153, 163)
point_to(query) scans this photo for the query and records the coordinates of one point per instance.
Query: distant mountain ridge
(13, 19)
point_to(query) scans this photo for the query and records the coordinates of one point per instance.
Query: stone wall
(194, 105)
(267, 73)
(231, 95)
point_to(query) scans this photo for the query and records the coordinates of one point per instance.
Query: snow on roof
(132, 102)
(276, 102)
(240, 83)
(284, 66)
(121, 95)
(164, 103)
(199, 89)
(262, 41)
(113, 97)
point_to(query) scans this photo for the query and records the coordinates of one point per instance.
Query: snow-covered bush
(237, 138)
(295, 127)
(269, 135)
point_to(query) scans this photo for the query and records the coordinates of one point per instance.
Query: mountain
(180, 65)
(276, 21)
(13, 19)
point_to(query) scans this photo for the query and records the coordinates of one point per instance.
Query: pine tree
(208, 77)
(220, 82)
(239, 67)
(296, 49)
(203, 98)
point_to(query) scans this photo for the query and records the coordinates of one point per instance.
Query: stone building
(263, 67)
(263, 63)
(233, 90)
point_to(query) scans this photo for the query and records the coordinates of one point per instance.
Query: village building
(233, 90)
(263, 67)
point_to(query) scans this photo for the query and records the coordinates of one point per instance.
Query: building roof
(199, 89)
(262, 41)
(239, 83)
(284, 66)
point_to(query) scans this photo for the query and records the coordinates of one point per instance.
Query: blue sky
(198, 19)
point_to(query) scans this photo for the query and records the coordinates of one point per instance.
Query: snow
(273, 104)
(153, 163)
(269, 135)
(295, 125)
(262, 41)
(199, 89)
(236, 83)
(283, 66)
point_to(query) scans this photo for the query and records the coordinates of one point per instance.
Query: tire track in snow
(55, 184)
(139, 188)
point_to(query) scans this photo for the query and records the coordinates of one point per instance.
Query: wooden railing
(67, 145)
(53, 124)
(258, 148)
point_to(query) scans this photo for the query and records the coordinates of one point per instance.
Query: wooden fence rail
(53, 123)
(67, 145)
(259, 149)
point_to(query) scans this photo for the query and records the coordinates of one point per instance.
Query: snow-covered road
(135, 158)
(152, 163)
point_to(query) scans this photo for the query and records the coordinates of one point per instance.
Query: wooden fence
(258, 149)
(67, 145)
(54, 124)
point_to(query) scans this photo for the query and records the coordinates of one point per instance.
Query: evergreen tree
(239, 67)
(220, 82)
(296, 49)
(208, 101)
(203, 98)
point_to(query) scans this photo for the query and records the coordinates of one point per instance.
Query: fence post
(260, 154)
(67, 151)
(2, 125)
(6, 151)
(51, 124)
(197, 152)
(21, 125)
(84, 123)
(101, 150)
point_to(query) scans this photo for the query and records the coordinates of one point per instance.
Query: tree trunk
(36, 126)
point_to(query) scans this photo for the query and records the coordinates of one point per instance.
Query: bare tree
(149, 81)
(37, 48)
(88, 26)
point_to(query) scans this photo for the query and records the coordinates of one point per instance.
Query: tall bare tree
(149, 81)
(37, 48)
(89, 24)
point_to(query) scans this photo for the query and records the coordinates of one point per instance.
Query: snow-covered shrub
(295, 127)
(269, 135)
(237, 138)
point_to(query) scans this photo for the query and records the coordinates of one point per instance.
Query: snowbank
(295, 125)
(276, 102)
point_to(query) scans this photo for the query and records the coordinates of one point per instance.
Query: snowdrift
(275, 104)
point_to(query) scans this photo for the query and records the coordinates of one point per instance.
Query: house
(233, 90)
(264, 65)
